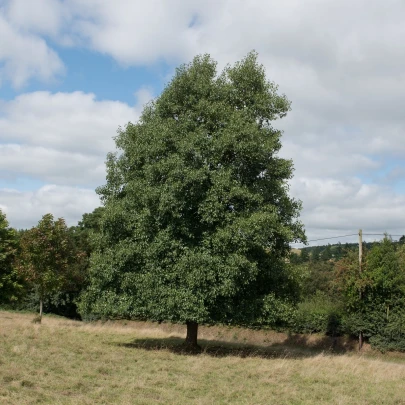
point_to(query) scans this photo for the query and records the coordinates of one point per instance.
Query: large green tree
(48, 258)
(197, 220)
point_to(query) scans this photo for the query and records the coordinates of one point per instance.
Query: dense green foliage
(338, 298)
(48, 259)
(89, 224)
(62, 300)
(318, 313)
(321, 296)
(10, 287)
(198, 219)
(342, 299)
(375, 297)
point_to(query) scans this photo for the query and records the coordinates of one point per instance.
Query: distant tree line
(330, 252)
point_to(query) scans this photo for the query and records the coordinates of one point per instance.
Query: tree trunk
(38, 318)
(360, 340)
(191, 338)
(40, 309)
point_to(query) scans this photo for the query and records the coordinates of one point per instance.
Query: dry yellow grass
(67, 362)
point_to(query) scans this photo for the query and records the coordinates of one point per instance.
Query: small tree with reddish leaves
(48, 258)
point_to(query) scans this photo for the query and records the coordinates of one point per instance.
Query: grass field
(67, 362)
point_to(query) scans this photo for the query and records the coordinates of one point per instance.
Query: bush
(384, 330)
(392, 334)
(375, 298)
(277, 313)
(318, 314)
(61, 303)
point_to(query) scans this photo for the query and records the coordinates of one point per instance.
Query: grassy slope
(66, 362)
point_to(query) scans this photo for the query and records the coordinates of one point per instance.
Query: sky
(73, 71)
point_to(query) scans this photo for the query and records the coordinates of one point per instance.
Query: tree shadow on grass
(293, 347)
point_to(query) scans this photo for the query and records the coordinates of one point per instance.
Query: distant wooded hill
(329, 252)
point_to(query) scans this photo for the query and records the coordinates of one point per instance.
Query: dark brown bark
(191, 338)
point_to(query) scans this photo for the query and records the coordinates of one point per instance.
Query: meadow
(69, 362)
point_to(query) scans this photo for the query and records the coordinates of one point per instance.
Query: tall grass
(67, 362)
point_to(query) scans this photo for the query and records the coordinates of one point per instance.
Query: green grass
(67, 362)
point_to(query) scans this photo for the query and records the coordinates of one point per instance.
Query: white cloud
(40, 16)
(314, 157)
(72, 122)
(334, 207)
(341, 64)
(25, 209)
(24, 55)
(143, 96)
(134, 32)
(61, 139)
(52, 165)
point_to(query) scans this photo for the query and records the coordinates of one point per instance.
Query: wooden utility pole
(360, 260)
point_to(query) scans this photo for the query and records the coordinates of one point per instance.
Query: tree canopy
(48, 258)
(9, 285)
(375, 297)
(81, 233)
(198, 219)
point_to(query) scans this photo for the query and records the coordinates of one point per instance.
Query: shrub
(277, 312)
(384, 330)
(318, 314)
